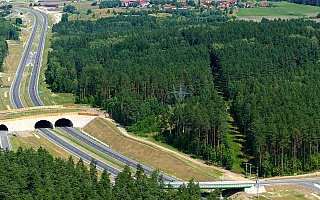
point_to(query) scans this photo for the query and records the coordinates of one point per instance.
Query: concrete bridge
(30, 123)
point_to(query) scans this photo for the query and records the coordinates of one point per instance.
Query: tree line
(36, 174)
(268, 71)
(129, 65)
(270, 75)
(7, 32)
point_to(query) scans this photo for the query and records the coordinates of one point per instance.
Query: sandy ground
(56, 16)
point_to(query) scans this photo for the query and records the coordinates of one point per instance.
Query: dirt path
(227, 175)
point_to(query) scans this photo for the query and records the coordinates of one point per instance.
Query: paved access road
(75, 151)
(15, 86)
(5, 144)
(111, 153)
(34, 79)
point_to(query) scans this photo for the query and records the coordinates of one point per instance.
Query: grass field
(42, 111)
(149, 155)
(282, 9)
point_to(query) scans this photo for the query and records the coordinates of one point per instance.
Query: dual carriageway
(68, 128)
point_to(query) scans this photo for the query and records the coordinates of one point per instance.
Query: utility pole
(258, 181)
(246, 168)
(181, 93)
(250, 170)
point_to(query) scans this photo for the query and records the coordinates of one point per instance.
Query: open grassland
(149, 155)
(283, 10)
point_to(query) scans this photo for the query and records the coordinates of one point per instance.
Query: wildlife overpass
(31, 123)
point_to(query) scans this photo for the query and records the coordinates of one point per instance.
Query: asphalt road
(15, 86)
(75, 151)
(5, 140)
(111, 153)
(312, 183)
(15, 13)
(34, 79)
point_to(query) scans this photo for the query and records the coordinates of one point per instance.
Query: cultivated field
(283, 10)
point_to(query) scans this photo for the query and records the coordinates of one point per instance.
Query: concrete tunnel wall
(29, 124)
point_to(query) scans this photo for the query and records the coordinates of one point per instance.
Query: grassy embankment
(151, 156)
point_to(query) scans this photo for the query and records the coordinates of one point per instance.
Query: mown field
(282, 9)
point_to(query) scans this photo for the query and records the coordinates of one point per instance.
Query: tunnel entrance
(3, 127)
(43, 124)
(63, 123)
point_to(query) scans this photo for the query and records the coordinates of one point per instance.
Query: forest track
(227, 175)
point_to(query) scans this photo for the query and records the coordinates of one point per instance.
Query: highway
(16, 83)
(111, 153)
(75, 151)
(34, 79)
(312, 183)
(5, 144)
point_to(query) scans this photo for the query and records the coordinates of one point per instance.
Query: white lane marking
(318, 186)
(313, 194)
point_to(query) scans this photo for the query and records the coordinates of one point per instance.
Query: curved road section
(15, 86)
(111, 153)
(34, 79)
(75, 151)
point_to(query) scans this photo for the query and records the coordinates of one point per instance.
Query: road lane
(112, 153)
(34, 79)
(5, 144)
(75, 151)
(16, 84)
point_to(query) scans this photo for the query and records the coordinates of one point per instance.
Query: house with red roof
(1, 10)
(264, 4)
(51, 5)
(173, 7)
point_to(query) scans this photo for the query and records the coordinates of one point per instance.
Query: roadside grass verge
(98, 153)
(35, 143)
(147, 154)
(85, 148)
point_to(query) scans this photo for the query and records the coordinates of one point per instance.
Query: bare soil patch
(24, 133)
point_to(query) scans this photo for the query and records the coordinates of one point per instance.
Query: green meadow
(282, 9)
